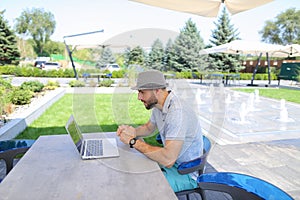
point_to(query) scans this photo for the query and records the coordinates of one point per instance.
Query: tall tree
(25, 48)
(284, 30)
(185, 53)
(167, 55)
(9, 53)
(135, 56)
(106, 57)
(38, 24)
(223, 34)
(52, 47)
(156, 55)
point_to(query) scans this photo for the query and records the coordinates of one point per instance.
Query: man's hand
(126, 133)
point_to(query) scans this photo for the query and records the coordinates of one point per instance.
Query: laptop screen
(74, 132)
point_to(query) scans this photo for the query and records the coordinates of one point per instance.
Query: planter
(20, 121)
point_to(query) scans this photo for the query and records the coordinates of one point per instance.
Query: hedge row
(69, 73)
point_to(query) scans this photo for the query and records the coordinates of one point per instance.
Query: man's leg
(177, 181)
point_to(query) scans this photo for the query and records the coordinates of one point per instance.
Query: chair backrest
(241, 186)
(197, 164)
(9, 149)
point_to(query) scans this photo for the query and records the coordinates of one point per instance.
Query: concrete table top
(53, 169)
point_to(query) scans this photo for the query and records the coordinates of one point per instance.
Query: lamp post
(70, 52)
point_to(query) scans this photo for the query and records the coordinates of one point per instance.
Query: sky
(119, 16)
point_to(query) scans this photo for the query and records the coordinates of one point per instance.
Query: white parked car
(51, 65)
(111, 67)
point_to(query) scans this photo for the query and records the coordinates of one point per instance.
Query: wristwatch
(132, 142)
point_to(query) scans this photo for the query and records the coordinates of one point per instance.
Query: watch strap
(132, 142)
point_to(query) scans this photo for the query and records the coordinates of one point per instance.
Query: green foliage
(106, 83)
(106, 57)
(76, 83)
(51, 85)
(156, 56)
(284, 29)
(5, 89)
(118, 74)
(52, 47)
(20, 96)
(184, 75)
(224, 33)
(135, 56)
(248, 76)
(276, 93)
(184, 54)
(35, 72)
(6, 83)
(34, 86)
(26, 48)
(9, 53)
(169, 51)
(38, 24)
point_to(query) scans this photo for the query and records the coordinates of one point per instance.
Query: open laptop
(91, 148)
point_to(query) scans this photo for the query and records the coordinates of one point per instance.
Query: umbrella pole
(269, 71)
(255, 70)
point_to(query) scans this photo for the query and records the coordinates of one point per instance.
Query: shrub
(51, 85)
(118, 74)
(76, 83)
(20, 96)
(34, 86)
(106, 83)
(6, 83)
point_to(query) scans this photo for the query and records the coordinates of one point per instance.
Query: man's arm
(165, 156)
(142, 130)
(145, 129)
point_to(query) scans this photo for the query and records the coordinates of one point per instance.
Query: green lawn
(93, 112)
(275, 93)
(104, 112)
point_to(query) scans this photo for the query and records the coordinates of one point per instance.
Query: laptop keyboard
(94, 148)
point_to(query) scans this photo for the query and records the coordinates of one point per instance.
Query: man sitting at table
(177, 124)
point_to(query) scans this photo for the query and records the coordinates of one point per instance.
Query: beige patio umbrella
(291, 50)
(249, 47)
(206, 8)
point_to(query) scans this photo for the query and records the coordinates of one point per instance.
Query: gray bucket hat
(151, 79)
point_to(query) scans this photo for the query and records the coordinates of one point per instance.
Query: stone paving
(257, 138)
(264, 144)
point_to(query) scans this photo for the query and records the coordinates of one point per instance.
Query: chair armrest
(190, 166)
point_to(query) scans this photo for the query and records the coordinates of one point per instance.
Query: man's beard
(151, 102)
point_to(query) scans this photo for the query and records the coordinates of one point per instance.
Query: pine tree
(168, 55)
(106, 57)
(156, 56)
(136, 56)
(224, 33)
(185, 53)
(9, 53)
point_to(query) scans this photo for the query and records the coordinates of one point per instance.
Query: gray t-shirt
(177, 121)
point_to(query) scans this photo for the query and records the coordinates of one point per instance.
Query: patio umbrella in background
(246, 47)
(291, 50)
(249, 47)
(205, 8)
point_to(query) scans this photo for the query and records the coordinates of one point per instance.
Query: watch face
(132, 141)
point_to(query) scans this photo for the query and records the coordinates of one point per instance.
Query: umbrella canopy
(129, 39)
(206, 8)
(246, 47)
(291, 50)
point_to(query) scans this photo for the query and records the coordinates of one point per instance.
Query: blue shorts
(177, 181)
